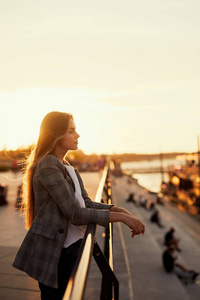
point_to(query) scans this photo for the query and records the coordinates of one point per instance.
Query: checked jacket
(55, 205)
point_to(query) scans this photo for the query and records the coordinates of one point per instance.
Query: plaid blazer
(55, 205)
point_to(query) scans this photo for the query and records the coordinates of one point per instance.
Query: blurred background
(128, 71)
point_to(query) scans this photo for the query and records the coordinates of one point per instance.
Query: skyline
(129, 72)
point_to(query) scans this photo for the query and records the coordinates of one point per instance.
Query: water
(151, 181)
(11, 180)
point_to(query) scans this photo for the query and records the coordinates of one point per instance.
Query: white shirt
(74, 232)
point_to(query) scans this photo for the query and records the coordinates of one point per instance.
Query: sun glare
(23, 111)
(104, 125)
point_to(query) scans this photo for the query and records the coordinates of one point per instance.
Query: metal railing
(110, 286)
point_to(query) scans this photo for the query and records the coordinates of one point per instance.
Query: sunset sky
(129, 72)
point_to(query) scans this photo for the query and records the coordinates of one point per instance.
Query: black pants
(66, 263)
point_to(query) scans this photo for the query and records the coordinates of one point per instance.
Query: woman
(58, 208)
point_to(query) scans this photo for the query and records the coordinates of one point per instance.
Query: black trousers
(66, 263)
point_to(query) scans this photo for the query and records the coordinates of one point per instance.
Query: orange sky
(129, 71)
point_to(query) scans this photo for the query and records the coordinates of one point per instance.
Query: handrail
(76, 285)
(101, 185)
(77, 280)
(110, 226)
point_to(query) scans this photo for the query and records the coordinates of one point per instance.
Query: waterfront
(152, 180)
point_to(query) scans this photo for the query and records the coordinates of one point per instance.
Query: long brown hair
(53, 127)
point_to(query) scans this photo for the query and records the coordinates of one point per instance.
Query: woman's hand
(119, 214)
(136, 226)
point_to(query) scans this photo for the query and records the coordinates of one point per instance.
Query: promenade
(137, 261)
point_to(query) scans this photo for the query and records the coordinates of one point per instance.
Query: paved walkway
(148, 279)
(14, 284)
(137, 262)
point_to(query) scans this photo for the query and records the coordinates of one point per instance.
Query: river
(151, 181)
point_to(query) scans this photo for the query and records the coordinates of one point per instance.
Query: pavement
(137, 261)
(14, 284)
(144, 252)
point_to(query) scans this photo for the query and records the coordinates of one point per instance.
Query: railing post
(110, 284)
(109, 289)
(106, 285)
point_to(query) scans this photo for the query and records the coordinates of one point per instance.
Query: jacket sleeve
(51, 177)
(88, 201)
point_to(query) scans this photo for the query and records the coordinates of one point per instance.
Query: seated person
(142, 201)
(131, 198)
(159, 200)
(155, 218)
(170, 265)
(171, 240)
(152, 206)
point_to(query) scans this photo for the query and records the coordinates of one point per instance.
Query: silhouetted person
(152, 206)
(3, 193)
(131, 198)
(155, 218)
(170, 264)
(171, 240)
(159, 200)
(142, 201)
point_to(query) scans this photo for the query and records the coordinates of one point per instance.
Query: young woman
(58, 208)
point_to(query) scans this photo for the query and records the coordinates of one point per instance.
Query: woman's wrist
(119, 209)
(113, 208)
(116, 217)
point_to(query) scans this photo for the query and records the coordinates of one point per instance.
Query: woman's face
(70, 139)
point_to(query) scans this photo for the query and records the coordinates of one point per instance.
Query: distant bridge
(145, 170)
